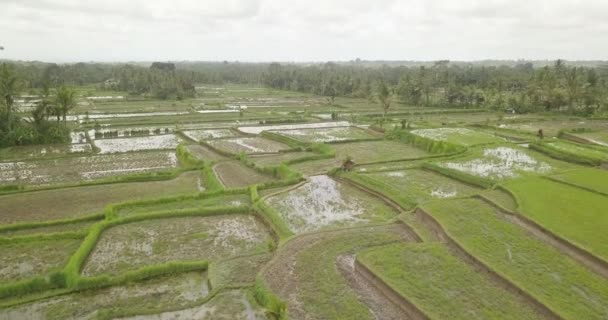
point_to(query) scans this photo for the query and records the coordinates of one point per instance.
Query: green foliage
(33, 225)
(565, 211)
(140, 274)
(460, 176)
(429, 145)
(539, 269)
(444, 286)
(72, 269)
(292, 143)
(269, 300)
(253, 191)
(23, 287)
(571, 152)
(44, 237)
(593, 180)
(274, 219)
(210, 179)
(187, 159)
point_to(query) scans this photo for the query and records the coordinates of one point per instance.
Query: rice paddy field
(255, 203)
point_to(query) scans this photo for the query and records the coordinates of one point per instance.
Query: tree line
(39, 128)
(520, 88)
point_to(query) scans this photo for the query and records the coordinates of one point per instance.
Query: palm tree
(384, 95)
(66, 100)
(9, 87)
(44, 108)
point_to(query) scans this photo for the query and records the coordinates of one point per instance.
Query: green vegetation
(573, 152)
(412, 186)
(560, 283)
(16, 131)
(594, 179)
(377, 151)
(441, 285)
(569, 212)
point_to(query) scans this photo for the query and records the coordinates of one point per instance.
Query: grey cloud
(263, 30)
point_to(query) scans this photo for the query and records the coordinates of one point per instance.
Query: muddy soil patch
(233, 174)
(129, 246)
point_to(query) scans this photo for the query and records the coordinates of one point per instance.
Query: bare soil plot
(157, 294)
(204, 153)
(314, 167)
(129, 246)
(204, 134)
(276, 159)
(374, 151)
(305, 273)
(248, 145)
(118, 145)
(237, 271)
(77, 169)
(233, 174)
(327, 134)
(323, 203)
(74, 202)
(20, 260)
(229, 304)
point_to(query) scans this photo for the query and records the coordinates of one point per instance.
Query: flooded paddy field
(323, 203)
(406, 233)
(248, 145)
(68, 170)
(327, 134)
(129, 246)
(506, 162)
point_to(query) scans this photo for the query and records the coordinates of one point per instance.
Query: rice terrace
(353, 189)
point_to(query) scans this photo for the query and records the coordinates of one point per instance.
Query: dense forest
(520, 87)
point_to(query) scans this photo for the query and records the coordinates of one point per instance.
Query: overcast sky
(310, 30)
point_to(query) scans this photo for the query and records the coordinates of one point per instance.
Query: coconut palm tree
(9, 87)
(66, 100)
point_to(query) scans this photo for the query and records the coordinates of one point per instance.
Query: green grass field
(441, 285)
(560, 283)
(594, 179)
(576, 215)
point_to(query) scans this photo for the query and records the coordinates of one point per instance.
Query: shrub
(431, 146)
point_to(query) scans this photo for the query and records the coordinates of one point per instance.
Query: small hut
(348, 164)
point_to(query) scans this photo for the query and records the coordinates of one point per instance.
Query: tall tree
(66, 100)
(9, 88)
(385, 97)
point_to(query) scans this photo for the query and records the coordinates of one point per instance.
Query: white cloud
(264, 30)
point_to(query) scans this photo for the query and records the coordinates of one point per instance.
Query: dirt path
(384, 303)
(585, 258)
(480, 267)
